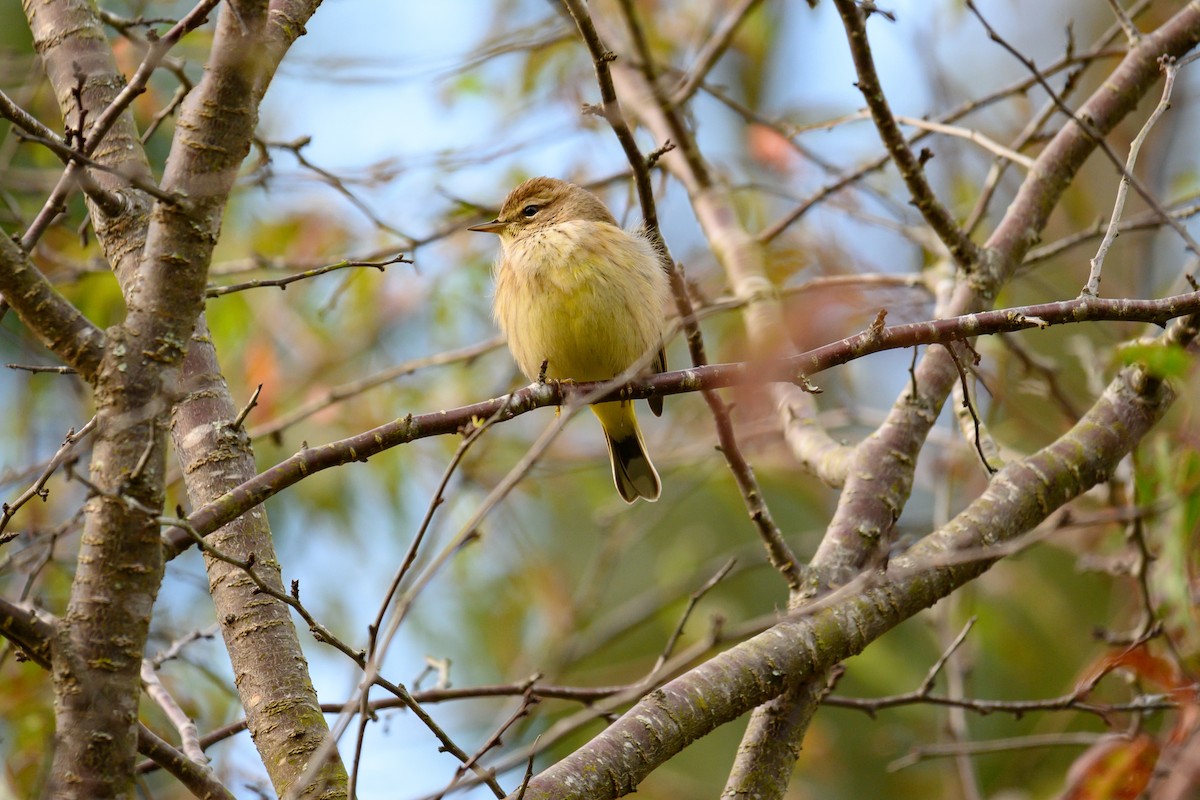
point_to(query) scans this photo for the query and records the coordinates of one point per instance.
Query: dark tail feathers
(632, 471)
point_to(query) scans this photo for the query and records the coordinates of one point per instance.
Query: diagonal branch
(714, 47)
(1084, 124)
(611, 110)
(57, 324)
(35, 636)
(1063, 157)
(113, 111)
(1092, 287)
(813, 639)
(743, 259)
(964, 251)
(778, 551)
(880, 479)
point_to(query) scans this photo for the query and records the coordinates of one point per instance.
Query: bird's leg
(542, 379)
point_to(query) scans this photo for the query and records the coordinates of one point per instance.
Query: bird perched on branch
(584, 299)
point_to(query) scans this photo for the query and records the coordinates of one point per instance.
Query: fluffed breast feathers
(587, 297)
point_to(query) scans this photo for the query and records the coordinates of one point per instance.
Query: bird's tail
(632, 471)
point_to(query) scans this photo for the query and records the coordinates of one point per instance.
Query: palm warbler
(583, 297)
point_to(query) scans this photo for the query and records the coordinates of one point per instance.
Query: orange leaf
(1152, 669)
(1112, 769)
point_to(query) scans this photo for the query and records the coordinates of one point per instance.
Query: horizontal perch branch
(795, 369)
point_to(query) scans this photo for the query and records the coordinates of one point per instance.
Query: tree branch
(49, 316)
(842, 624)
(213, 135)
(796, 369)
(962, 249)
(87, 36)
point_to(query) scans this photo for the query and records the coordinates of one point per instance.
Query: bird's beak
(495, 226)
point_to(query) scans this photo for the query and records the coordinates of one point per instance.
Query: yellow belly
(585, 297)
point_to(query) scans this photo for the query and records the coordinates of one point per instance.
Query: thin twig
(472, 435)
(715, 46)
(995, 746)
(70, 155)
(176, 647)
(1035, 123)
(1132, 34)
(999, 167)
(246, 409)
(24, 120)
(324, 635)
(693, 599)
(175, 102)
(282, 283)
(1147, 220)
(296, 148)
(1048, 371)
(39, 368)
(38, 489)
(493, 741)
(347, 390)
(1089, 129)
(108, 117)
(778, 552)
(855, 174)
(189, 735)
(126, 27)
(1092, 287)
(931, 676)
(961, 248)
(970, 135)
(969, 406)
(611, 110)
(374, 655)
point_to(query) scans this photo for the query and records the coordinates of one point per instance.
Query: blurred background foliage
(412, 121)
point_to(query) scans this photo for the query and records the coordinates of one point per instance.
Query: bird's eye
(530, 210)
